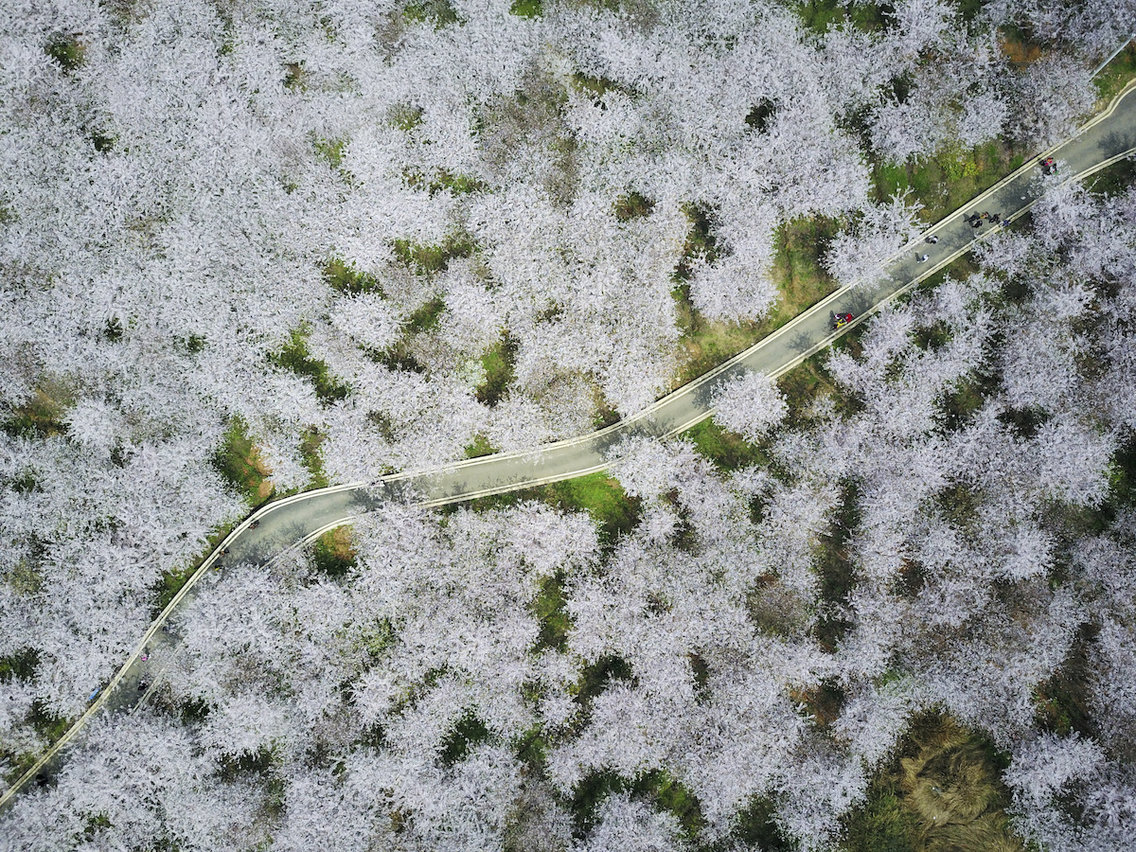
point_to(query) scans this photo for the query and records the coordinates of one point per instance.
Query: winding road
(299, 519)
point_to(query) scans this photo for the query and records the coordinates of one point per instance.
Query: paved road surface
(303, 517)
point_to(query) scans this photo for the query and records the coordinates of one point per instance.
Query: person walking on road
(932, 239)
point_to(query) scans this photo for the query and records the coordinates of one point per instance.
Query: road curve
(295, 520)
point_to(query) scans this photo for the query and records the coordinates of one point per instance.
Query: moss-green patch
(427, 259)
(1117, 74)
(821, 15)
(294, 356)
(601, 496)
(499, 362)
(942, 791)
(427, 317)
(437, 13)
(728, 450)
(65, 49)
(333, 553)
(330, 150)
(345, 278)
(479, 446)
(949, 179)
(239, 463)
(809, 381)
(659, 787)
(597, 87)
(21, 665)
(295, 77)
(632, 205)
(406, 117)
(962, 401)
(170, 583)
(527, 8)
(835, 568)
(549, 608)
(467, 732)
(42, 415)
(1061, 702)
(311, 456)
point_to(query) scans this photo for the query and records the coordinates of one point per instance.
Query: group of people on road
(977, 220)
(1049, 166)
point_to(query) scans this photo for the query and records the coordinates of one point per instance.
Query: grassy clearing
(727, 450)
(428, 259)
(527, 8)
(801, 283)
(942, 791)
(65, 49)
(294, 356)
(499, 362)
(949, 179)
(42, 415)
(437, 13)
(333, 553)
(666, 791)
(601, 496)
(239, 463)
(1116, 75)
(820, 15)
(480, 446)
(344, 278)
(311, 456)
(834, 566)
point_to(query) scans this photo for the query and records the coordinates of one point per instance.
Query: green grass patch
(42, 415)
(949, 179)
(601, 496)
(427, 259)
(294, 356)
(65, 49)
(527, 8)
(728, 450)
(479, 446)
(632, 206)
(549, 608)
(171, 581)
(597, 87)
(468, 732)
(658, 787)
(20, 665)
(426, 318)
(1116, 75)
(344, 278)
(942, 791)
(835, 567)
(819, 16)
(333, 553)
(406, 116)
(437, 13)
(330, 150)
(499, 362)
(311, 456)
(240, 465)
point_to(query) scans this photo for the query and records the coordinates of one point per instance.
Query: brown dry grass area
(339, 543)
(1019, 52)
(953, 789)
